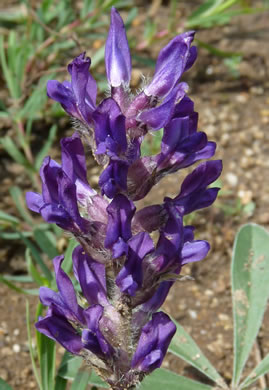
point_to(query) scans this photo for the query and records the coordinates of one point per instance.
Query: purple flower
(130, 277)
(58, 201)
(57, 328)
(153, 343)
(114, 177)
(194, 195)
(110, 134)
(117, 53)
(120, 213)
(63, 187)
(173, 60)
(77, 97)
(65, 318)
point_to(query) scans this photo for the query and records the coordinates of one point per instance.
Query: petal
(34, 201)
(198, 200)
(48, 172)
(194, 251)
(114, 178)
(110, 133)
(144, 311)
(117, 53)
(120, 213)
(170, 65)
(205, 174)
(73, 158)
(55, 213)
(92, 337)
(174, 134)
(68, 200)
(149, 218)
(58, 328)
(130, 277)
(191, 58)
(63, 95)
(91, 276)
(83, 85)
(66, 289)
(171, 236)
(153, 343)
(159, 116)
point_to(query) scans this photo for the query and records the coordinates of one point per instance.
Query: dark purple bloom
(153, 343)
(65, 318)
(117, 53)
(120, 213)
(130, 276)
(110, 134)
(65, 300)
(92, 337)
(114, 177)
(63, 187)
(168, 249)
(57, 328)
(91, 276)
(173, 60)
(77, 97)
(194, 193)
(58, 202)
(158, 117)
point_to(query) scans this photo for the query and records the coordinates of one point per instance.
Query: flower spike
(128, 257)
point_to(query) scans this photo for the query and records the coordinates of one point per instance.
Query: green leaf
(164, 379)
(46, 147)
(32, 355)
(95, 380)
(14, 152)
(67, 263)
(261, 369)
(61, 383)
(250, 290)
(47, 354)
(4, 385)
(98, 57)
(69, 369)
(19, 201)
(184, 347)
(33, 271)
(44, 240)
(14, 236)
(37, 100)
(37, 257)
(6, 72)
(217, 52)
(34, 291)
(205, 9)
(80, 381)
(69, 366)
(19, 278)
(8, 218)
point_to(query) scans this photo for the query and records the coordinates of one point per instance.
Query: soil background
(234, 112)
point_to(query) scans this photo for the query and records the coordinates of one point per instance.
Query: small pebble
(192, 314)
(16, 348)
(232, 179)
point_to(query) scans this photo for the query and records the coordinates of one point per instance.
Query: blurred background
(229, 85)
